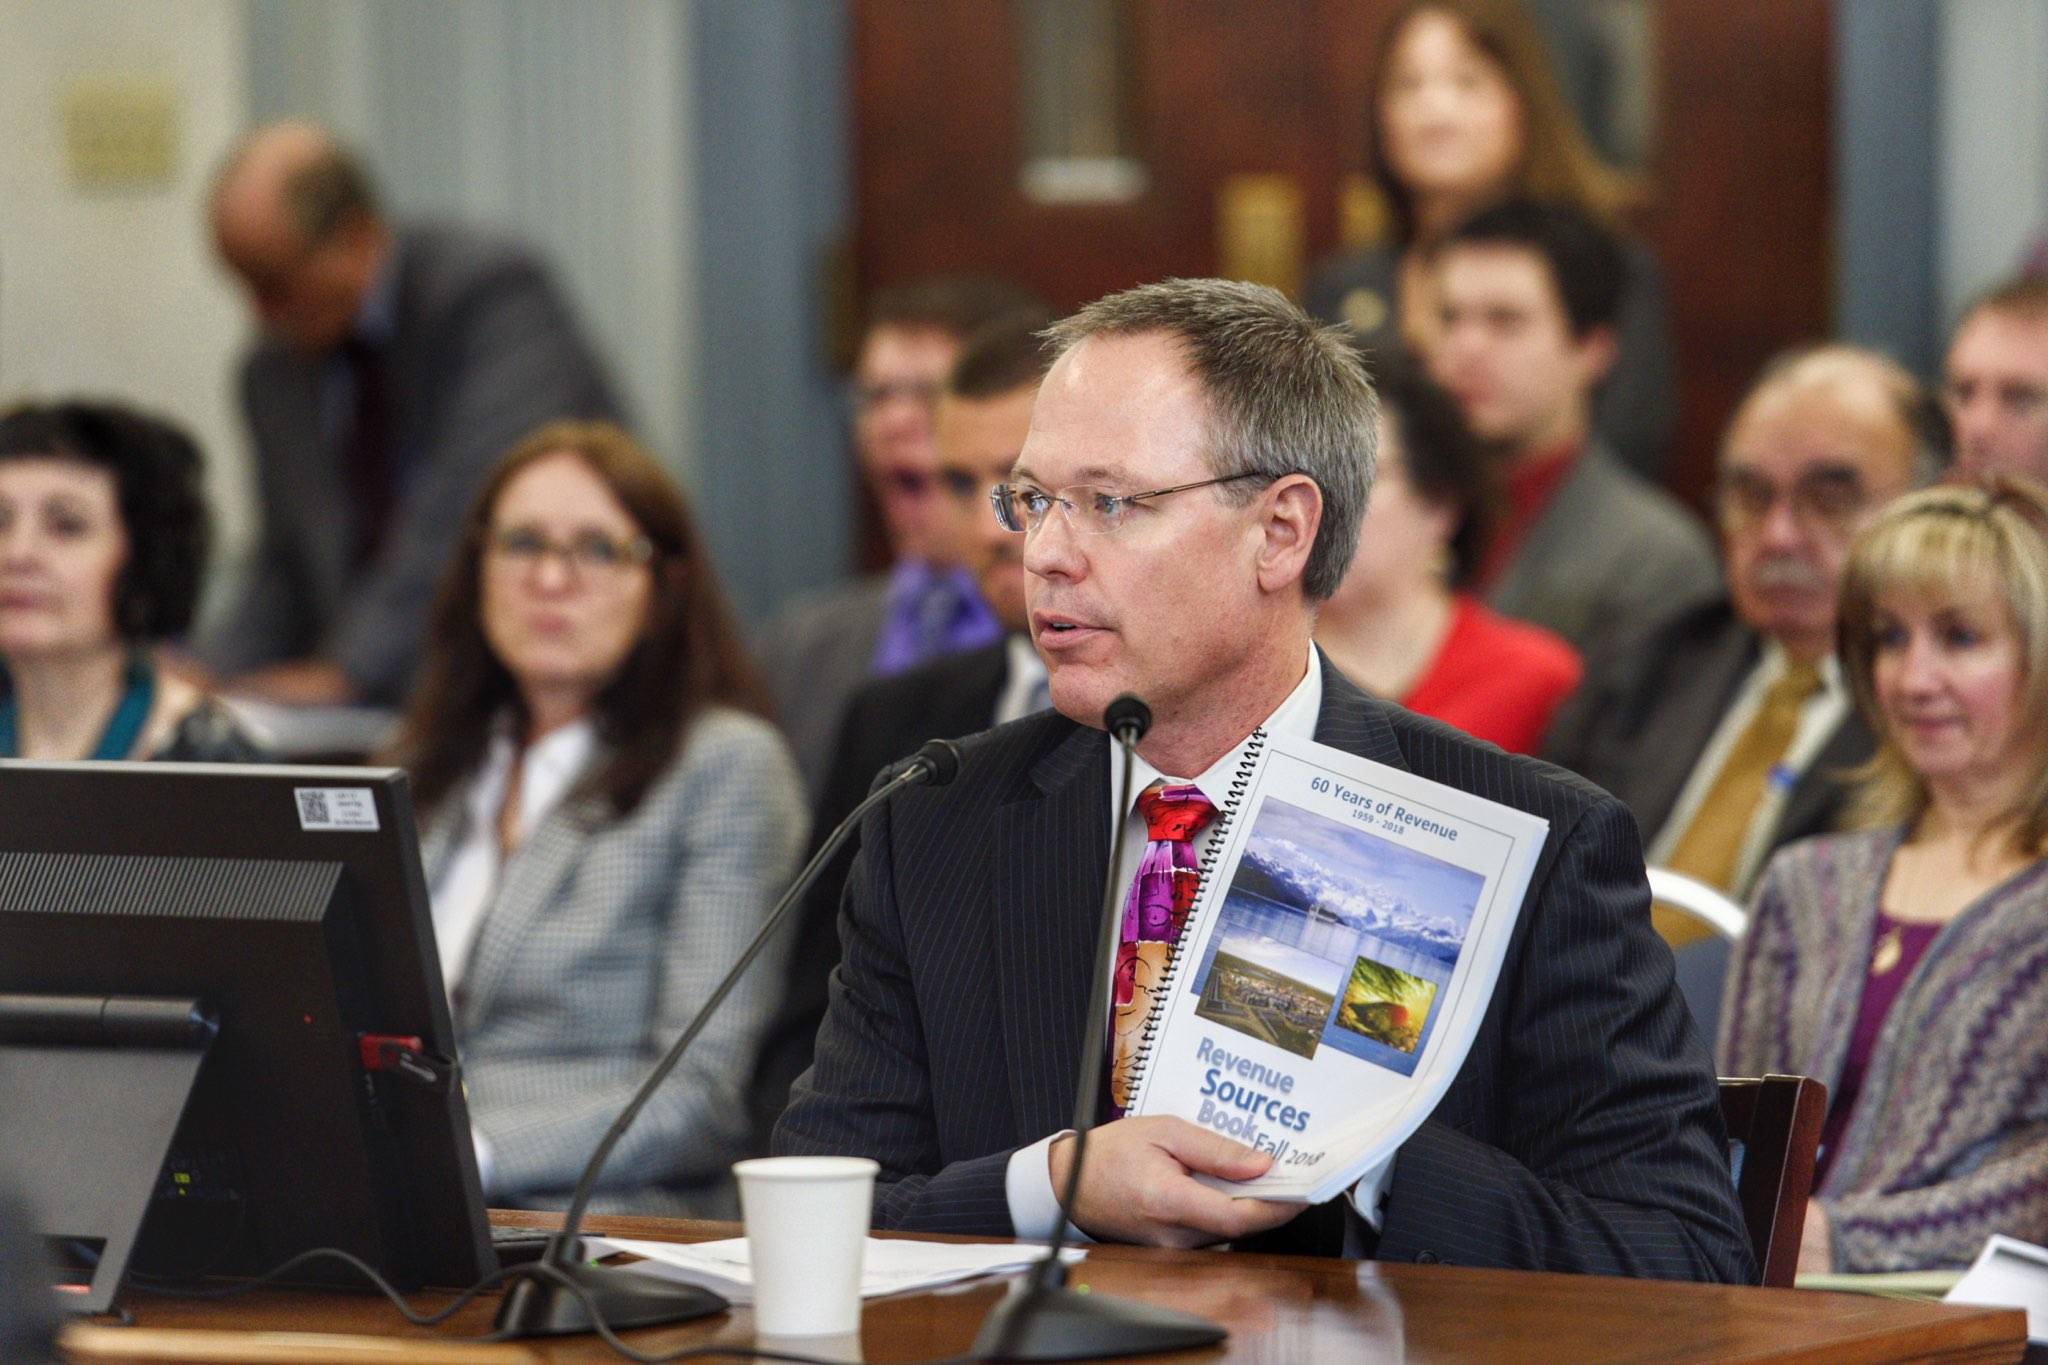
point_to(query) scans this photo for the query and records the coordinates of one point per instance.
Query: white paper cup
(807, 1220)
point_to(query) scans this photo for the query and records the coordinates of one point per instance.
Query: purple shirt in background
(1880, 993)
(930, 612)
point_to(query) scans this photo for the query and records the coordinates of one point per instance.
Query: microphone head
(940, 759)
(1127, 718)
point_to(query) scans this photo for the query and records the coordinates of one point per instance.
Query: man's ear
(1292, 513)
(1597, 351)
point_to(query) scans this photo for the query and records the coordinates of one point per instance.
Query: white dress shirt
(1034, 1206)
(468, 884)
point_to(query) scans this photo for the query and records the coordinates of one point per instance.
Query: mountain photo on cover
(1331, 935)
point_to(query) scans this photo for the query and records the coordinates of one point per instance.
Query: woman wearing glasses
(605, 819)
(1905, 965)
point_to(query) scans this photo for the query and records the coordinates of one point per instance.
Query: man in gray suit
(397, 364)
(1680, 723)
(821, 647)
(1192, 485)
(1528, 296)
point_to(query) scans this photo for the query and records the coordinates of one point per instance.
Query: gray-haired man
(1199, 456)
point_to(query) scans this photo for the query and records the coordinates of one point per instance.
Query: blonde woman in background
(1906, 965)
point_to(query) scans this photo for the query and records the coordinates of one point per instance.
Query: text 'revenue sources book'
(1346, 937)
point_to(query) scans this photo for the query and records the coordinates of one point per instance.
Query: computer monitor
(327, 1110)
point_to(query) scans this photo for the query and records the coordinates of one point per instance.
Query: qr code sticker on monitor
(336, 808)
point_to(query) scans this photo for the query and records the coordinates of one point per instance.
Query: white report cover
(1343, 947)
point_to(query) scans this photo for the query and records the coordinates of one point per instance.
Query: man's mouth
(1054, 629)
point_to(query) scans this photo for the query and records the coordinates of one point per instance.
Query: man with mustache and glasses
(1727, 730)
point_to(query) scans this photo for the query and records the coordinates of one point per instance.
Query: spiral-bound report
(1348, 931)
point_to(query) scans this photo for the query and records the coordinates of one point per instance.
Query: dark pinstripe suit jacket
(1582, 1134)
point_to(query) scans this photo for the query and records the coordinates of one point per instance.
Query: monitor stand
(95, 1086)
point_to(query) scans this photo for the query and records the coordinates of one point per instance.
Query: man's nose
(1973, 418)
(17, 543)
(1780, 526)
(1053, 548)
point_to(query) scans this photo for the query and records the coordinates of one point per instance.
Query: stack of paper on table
(1926, 1285)
(2008, 1273)
(888, 1266)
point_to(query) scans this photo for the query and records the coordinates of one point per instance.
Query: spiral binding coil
(1240, 783)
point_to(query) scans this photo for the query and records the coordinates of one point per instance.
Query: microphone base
(1044, 1322)
(623, 1297)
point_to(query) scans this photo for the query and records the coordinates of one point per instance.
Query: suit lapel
(322, 513)
(967, 702)
(1817, 796)
(1528, 581)
(527, 890)
(1685, 722)
(1052, 852)
(1354, 722)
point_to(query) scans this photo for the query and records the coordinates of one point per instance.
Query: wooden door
(1247, 117)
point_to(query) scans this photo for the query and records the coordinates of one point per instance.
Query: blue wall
(769, 86)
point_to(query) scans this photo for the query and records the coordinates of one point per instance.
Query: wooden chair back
(1773, 1136)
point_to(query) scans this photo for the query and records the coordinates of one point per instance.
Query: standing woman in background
(1466, 113)
(1906, 966)
(605, 821)
(103, 543)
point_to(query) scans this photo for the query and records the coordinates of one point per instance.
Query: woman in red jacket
(1397, 626)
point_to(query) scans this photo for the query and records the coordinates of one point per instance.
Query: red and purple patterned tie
(1160, 897)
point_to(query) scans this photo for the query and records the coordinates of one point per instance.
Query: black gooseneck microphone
(569, 1295)
(1042, 1319)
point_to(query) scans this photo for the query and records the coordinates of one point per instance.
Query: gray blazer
(1609, 557)
(606, 935)
(483, 350)
(816, 653)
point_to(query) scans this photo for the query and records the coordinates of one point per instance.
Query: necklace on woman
(1889, 950)
(123, 727)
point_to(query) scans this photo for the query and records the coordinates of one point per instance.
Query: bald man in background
(396, 364)
(1727, 729)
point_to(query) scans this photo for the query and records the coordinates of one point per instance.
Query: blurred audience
(1398, 626)
(103, 542)
(1729, 729)
(605, 820)
(1904, 966)
(822, 646)
(1467, 114)
(397, 362)
(1996, 382)
(1528, 295)
(983, 415)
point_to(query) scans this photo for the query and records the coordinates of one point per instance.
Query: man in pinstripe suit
(1198, 461)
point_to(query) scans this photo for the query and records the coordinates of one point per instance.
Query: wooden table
(1281, 1309)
